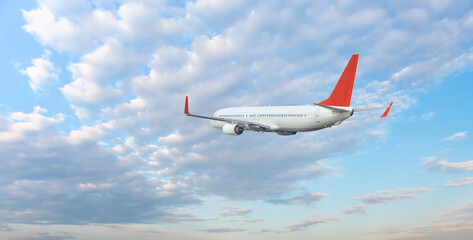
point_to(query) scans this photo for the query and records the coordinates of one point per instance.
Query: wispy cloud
(223, 230)
(309, 199)
(463, 213)
(456, 136)
(455, 224)
(387, 196)
(308, 223)
(462, 182)
(177, 217)
(42, 236)
(261, 231)
(427, 116)
(355, 209)
(235, 211)
(253, 220)
(439, 164)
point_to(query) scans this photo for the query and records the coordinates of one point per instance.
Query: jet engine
(232, 129)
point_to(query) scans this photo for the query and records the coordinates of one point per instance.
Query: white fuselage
(285, 118)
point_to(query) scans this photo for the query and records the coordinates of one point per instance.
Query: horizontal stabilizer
(357, 109)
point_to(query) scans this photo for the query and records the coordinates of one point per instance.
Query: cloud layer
(49, 178)
(131, 156)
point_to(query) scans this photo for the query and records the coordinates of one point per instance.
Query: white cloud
(88, 187)
(387, 196)
(146, 22)
(415, 16)
(88, 133)
(309, 199)
(456, 136)
(98, 77)
(464, 182)
(366, 18)
(355, 209)
(81, 113)
(432, 70)
(61, 7)
(308, 223)
(42, 73)
(221, 13)
(19, 125)
(134, 106)
(439, 164)
(172, 138)
(58, 32)
(427, 116)
(234, 211)
(223, 230)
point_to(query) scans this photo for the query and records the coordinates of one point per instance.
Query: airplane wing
(368, 109)
(247, 125)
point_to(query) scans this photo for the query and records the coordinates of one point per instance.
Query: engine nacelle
(232, 129)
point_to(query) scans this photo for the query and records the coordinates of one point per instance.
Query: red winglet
(186, 108)
(341, 94)
(386, 111)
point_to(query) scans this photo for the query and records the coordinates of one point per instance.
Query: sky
(94, 143)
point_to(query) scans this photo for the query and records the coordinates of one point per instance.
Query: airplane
(288, 120)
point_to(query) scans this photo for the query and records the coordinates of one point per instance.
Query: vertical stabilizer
(341, 94)
(186, 107)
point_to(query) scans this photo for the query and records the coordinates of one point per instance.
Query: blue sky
(94, 143)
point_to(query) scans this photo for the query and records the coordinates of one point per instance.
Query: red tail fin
(341, 94)
(186, 107)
